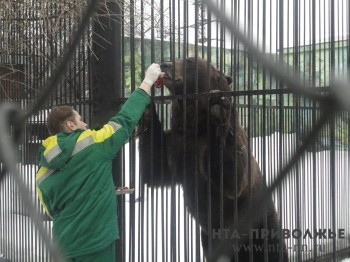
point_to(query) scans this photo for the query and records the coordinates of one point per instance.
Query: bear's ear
(229, 80)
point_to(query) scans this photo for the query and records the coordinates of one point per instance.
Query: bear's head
(180, 77)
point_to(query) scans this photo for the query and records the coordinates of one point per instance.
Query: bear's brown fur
(206, 152)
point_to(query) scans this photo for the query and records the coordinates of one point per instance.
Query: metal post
(106, 76)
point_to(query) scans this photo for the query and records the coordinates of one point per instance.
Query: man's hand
(152, 75)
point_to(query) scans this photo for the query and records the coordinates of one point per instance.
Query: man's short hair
(58, 117)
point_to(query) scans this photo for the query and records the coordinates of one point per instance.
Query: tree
(35, 34)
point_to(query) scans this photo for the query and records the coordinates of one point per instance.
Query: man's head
(64, 119)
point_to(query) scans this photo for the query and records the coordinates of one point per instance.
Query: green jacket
(75, 184)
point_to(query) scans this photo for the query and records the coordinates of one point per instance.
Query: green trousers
(105, 255)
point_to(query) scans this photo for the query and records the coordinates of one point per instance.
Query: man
(74, 182)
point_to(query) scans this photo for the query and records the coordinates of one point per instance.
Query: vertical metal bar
(132, 41)
(141, 218)
(32, 82)
(264, 110)
(173, 218)
(209, 246)
(236, 72)
(2, 191)
(347, 8)
(332, 127)
(16, 200)
(250, 116)
(163, 116)
(313, 84)
(196, 122)
(179, 19)
(282, 6)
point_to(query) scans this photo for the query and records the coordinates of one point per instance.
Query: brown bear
(206, 152)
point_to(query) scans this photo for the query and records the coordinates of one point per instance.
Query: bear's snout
(166, 68)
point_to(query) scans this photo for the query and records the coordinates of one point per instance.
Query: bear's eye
(217, 79)
(214, 79)
(188, 61)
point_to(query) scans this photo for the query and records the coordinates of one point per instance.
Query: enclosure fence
(289, 61)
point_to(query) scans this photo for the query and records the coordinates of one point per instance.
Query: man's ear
(70, 126)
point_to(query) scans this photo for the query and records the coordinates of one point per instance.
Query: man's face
(78, 123)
